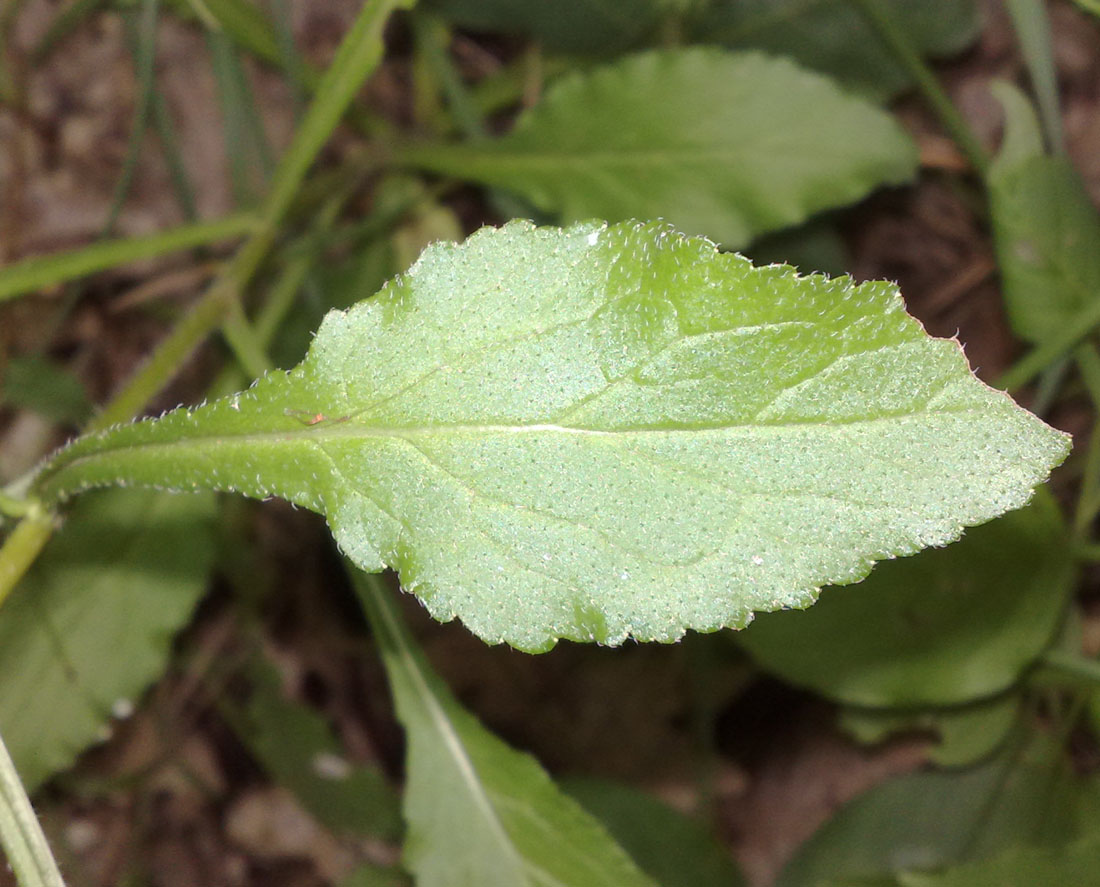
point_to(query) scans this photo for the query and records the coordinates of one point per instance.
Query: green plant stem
(40, 272)
(1039, 358)
(24, 843)
(21, 548)
(895, 38)
(1088, 551)
(1088, 498)
(144, 35)
(359, 54)
(1032, 25)
(432, 41)
(1073, 664)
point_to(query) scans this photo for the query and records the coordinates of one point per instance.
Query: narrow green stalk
(1088, 552)
(1073, 665)
(902, 48)
(1070, 334)
(40, 272)
(145, 37)
(359, 54)
(433, 38)
(1032, 25)
(177, 171)
(357, 57)
(24, 843)
(1088, 498)
(21, 548)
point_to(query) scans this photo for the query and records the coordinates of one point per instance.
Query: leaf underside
(608, 432)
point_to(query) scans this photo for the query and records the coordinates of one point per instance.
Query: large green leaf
(832, 37)
(478, 812)
(91, 625)
(725, 144)
(606, 432)
(946, 627)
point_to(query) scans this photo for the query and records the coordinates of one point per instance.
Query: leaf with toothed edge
(607, 431)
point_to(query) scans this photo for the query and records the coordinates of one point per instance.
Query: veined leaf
(478, 812)
(92, 623)
(725, 144)
(604, 432)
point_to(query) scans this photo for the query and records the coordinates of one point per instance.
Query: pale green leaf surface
(830, 35)
(946, 627)
(604, 432)
(728, 145)
(91, 625)
(479, 812)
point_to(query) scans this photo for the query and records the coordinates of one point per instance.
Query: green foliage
(483, 432)
(585, 26)
(965, 734)
(1074, 864)
(950, 626)
(92, 624)
(602, 432)
(673, 849)
(297, 748)
(934, 819)
(1047, 232)
(831, 37)
(478, 811)
(730, 145)
(38, 384)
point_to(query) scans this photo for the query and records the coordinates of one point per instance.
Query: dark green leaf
(929, 820)
(296, 746)
(1077, 865)
(596, 26)
(673, 849)
(1047, 234)
(966, 734)
(948, 626)
(830, 36)
(35, 383)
